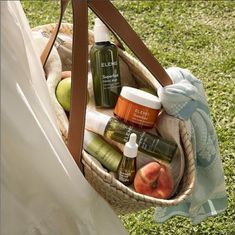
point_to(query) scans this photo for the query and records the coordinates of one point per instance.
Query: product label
(123, 176)
(148, 143)
(109, 64)
(128, 132)
(135, 113)
(141, 114)
(110, 81)
(110, 76)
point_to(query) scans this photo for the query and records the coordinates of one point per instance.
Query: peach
(154, 180)
(65, 74)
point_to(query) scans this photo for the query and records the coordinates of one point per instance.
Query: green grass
(200, 36)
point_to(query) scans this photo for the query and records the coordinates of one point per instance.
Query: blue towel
(185, 99)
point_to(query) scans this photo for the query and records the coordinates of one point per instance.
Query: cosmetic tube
(102, 151)
(116, 130)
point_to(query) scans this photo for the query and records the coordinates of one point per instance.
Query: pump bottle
(105, 68)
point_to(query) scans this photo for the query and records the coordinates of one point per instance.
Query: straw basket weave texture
(121, 198)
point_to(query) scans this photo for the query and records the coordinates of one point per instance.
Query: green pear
(63, 93)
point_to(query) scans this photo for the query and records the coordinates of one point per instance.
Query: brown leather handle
(111, 16)
(117, 24)
(79, 80)
(47, 50)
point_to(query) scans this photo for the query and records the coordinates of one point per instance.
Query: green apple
(63, 93)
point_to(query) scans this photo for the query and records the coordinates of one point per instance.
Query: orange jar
(137, 107)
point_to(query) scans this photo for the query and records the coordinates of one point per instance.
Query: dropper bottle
(127, 167)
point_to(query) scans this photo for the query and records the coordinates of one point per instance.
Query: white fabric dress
(42, 190)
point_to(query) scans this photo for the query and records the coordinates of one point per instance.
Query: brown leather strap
(46, 52)
(79, 80)
(111, 16)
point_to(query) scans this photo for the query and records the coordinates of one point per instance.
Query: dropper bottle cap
(131, 148)
(101, 32)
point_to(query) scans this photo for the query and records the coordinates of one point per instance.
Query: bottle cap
(131, 148)
(101, 32)
(96, 122)
(140, 97)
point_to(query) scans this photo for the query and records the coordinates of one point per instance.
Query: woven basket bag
(122, 199)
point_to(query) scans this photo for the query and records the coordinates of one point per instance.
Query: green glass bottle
(105, 68)
(117, 131)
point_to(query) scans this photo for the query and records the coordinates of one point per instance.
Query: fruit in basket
(65, 74)
(63, 91)
(154, 180)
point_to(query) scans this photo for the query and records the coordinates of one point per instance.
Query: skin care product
(127, 168)
(102, 151)
(120, 132)
(137, 107)
(105, 68)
